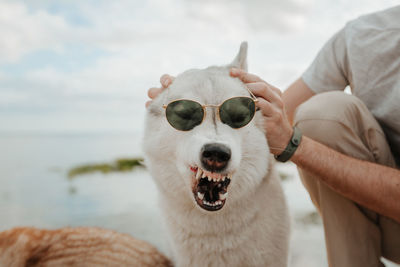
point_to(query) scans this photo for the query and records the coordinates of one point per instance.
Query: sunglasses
(185, 114)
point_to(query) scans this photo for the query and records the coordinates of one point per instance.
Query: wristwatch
(291, 147)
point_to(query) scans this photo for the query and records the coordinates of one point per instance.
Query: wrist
(298, 154)
(292, 146)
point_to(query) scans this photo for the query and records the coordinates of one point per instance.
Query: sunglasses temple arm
(252, 95)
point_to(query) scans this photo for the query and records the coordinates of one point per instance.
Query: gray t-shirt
(365, 55)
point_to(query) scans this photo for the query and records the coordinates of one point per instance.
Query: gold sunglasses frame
(253, 98)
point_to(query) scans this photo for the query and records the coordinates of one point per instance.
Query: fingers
(276, 90)
(266, 108)
(245, 76)
(166, 80)
(270, 111)
(154, 92)
(251, 78)
(148, 103)
(262, 89)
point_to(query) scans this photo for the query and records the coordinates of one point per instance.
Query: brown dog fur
(90, 246)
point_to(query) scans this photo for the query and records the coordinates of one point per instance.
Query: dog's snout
(215, 156)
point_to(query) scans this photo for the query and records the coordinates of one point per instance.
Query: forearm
(297, 93)
(374, 186)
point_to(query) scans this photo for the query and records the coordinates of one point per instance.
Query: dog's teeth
(223, 196)
(223, 179)
(209, 179)
(198, 174)
(200, 195)
(204, 175)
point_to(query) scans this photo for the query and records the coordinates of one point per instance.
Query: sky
(85, 66)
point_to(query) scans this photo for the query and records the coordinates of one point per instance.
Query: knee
(326, 117)
(336, 106)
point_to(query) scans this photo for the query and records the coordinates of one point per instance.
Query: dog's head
(205, 163)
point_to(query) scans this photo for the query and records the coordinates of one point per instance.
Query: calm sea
(35, 190)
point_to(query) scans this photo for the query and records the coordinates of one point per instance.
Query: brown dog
(28, 247)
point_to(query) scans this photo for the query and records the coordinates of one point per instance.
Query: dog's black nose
(215, 156)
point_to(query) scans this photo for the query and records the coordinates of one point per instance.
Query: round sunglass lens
(237, 112)
(184, 115)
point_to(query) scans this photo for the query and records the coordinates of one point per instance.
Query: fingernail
(166, 82)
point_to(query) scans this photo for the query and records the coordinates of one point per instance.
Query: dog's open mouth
(210, 190)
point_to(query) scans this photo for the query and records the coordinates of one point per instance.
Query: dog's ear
(240, 60)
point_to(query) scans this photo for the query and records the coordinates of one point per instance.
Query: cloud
(105, 54)
(23, 31)
(116, 25)
(259, 15)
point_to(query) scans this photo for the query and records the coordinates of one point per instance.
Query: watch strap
(291, 147)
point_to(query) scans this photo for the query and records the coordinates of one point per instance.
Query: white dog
(197, 153)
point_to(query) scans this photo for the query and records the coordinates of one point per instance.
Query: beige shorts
(354, 235)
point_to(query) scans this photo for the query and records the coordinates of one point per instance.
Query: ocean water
(35, 191)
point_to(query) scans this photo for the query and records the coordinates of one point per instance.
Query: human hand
(278, 128)
(153, 92)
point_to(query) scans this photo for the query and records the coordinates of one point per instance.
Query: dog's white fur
(252, 229)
